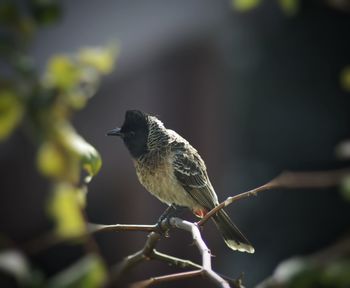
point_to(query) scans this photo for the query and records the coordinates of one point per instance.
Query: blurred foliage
(245, 5)
(42, 106)
(64, 206)
(289, 7)
(343, 150)
(345, 188)
(345, 78)
(326, 269)
(14, 263)
(343, 153)
(45, 11)
(11, 112)
(88, 272)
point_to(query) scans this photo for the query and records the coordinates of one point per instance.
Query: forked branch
(285, 180)
(148, 252)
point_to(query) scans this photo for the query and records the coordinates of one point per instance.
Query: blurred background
(258, 87)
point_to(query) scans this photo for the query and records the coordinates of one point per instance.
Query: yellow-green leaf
(245, 5)
(345, 187)
(289, 7)
(77, 98)
(88, 155)
(11, 112)
(51, 160)
(62, 72)
(102, 59)
(345, 78)
(65, 209)
(88, 272)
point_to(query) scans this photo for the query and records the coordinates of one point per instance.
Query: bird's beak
(114, 132)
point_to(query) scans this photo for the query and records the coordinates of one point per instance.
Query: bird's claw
(163, 224)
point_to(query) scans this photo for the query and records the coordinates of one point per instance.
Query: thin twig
(96, 228)
(166, 278)
(50, 239)
(286, 180)
(174, 261)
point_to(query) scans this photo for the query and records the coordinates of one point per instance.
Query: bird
(171, 169)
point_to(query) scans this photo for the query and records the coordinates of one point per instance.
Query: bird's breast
(156, 173)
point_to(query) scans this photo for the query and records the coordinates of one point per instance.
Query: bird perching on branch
(173, 171)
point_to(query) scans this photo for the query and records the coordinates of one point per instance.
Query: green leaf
(337, 274)
(62, 73)
(51, 161)
(88, 155)
(9, 13)
(345, 187)
(11, 112)
(245, 5)
(66, 153)
(65, 208)
(102, 59)
(45, 12)
(289, 7)
(345, 79)
(88, 272)
(23, 64)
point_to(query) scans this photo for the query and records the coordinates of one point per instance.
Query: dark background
(256, 93)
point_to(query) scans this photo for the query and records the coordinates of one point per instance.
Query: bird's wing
(190, 171)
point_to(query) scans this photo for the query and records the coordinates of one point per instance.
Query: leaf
(289, 7)
(77, 98)
(51, 161)
(62, 73)
(88, 272)
(11, 112)
(342, 150)
(45, 12)
(345, 79)
(102, 59)
(288, 269)
(9, 13)
(65, 209)
(345, 187)
(245, 5)
(14, 263)
(63, 157)
(88, 155)
(337, 274)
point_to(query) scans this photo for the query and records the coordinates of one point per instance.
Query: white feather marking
(240, 247)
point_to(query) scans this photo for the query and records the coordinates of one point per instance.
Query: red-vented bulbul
(173, 171)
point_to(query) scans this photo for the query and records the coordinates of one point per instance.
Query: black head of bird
(134, 132)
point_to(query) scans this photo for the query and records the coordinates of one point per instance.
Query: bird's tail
(231, 234)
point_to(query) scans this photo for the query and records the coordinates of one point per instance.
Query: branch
(286, 180)
(149, 252)
(171, 260)
(134, 259)
(206, 255)
(166, 278)
(183, 263)
(96, 228)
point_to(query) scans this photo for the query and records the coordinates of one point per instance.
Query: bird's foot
(163, 223)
